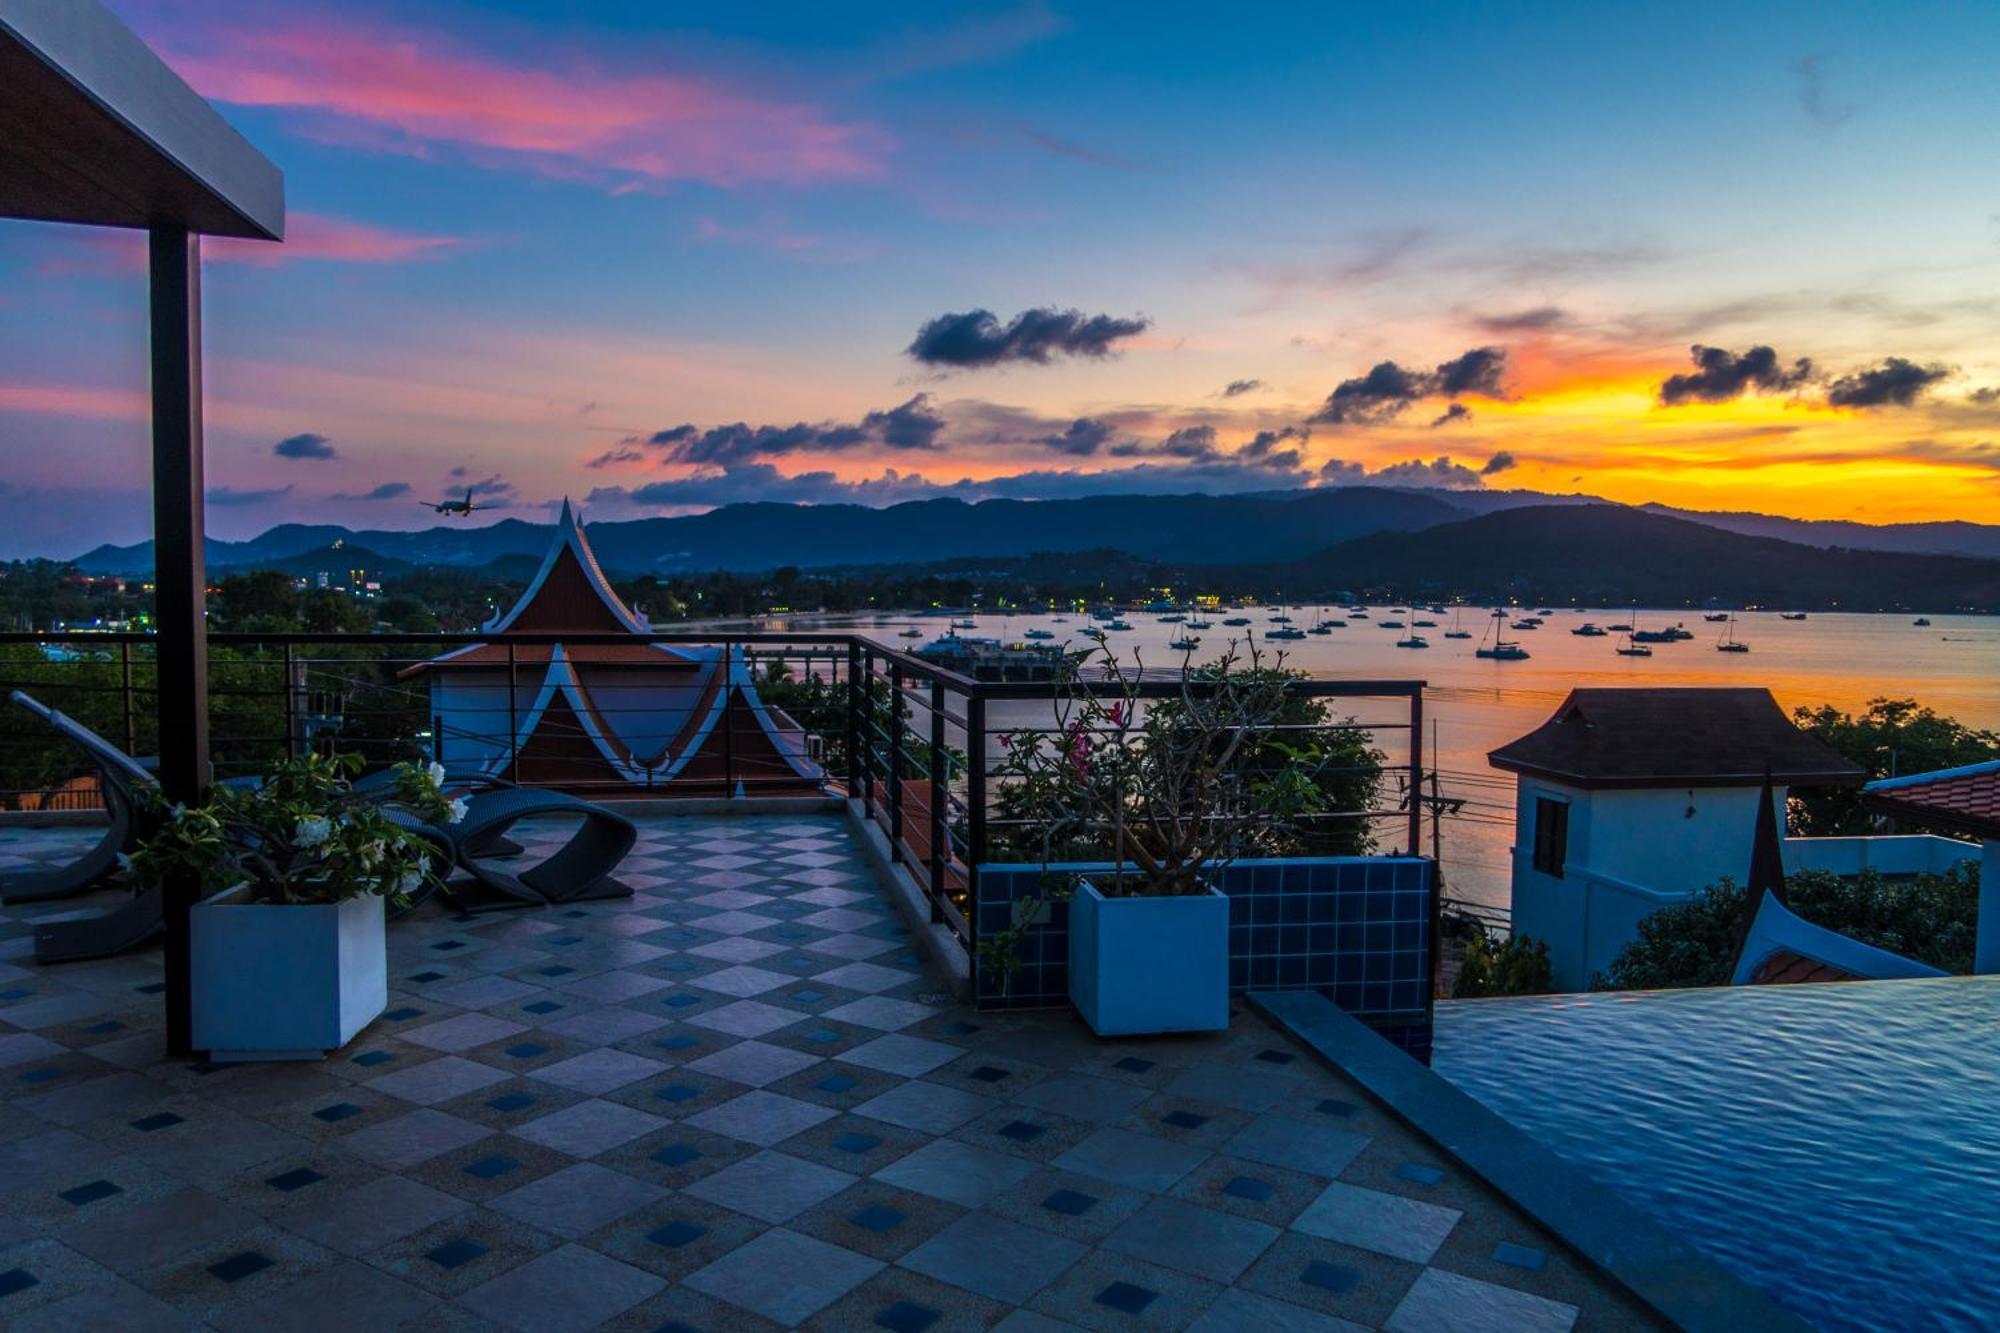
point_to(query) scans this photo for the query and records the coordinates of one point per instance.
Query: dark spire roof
(1674, 738)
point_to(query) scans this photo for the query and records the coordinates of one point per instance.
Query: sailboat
(1729, 642)
(1457, 630)
(1501, 649)
(1184, 643)
(1414, 641)
(1633, 648)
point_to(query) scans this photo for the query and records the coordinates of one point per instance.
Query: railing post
(125, 693)
(728, 722)
(975, 810)
(853, 717)
(868, 726)
(1416, 772)
(895, 761)
(291, 704)
(513, 733)
(940, 795)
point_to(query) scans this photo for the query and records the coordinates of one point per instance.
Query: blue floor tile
(1333, 1106)
(1330, 1277)
(1022, 1131)
(1132, 1064)
(1249, 1187)
(1519, 1256)
(907, 1317)
(158, 1120)
(836, 1083)
(17, 1279)
(337, 1112)
(456, 1253)
(404, 1014)
(239, 1266)
(369, 1059)
(542, 1007)
(1127, 1297)
(677, 1154)
(857, 1143)
(512, 1101)
(878, 1219)
(989, 1073)
(1184, 1120)
(676, 1234)
(91, 1193)
(677, 1092)
(527, 1050)
(490, 1168)
(1419, 1174)
(1070, 1203)
(296, 1179)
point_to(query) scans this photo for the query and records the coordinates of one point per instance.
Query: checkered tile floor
(735, 1101)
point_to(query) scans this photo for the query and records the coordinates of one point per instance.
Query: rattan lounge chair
(122, 779)
(578, 871)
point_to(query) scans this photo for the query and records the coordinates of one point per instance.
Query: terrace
(740, 1099)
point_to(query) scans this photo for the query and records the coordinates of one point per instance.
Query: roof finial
(568, 519)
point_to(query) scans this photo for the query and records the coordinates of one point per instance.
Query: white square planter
(1143, 965)
(284, 982)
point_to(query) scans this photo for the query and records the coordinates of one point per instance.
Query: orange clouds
(414, 92)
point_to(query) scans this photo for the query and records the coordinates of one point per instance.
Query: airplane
(456, 508)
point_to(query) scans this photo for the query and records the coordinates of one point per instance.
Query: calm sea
(1474, 705)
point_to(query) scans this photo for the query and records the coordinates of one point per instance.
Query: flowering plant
(304, 834)
(1174, 785)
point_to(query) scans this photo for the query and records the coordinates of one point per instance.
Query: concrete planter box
(1145, 965)
(285, 982)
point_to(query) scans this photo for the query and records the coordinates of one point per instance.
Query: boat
(1423, 624)
(1588, 630)
(1922, 622)
(1199, 624)
(1457, 631)
(1503, 650)
(1185, 643)
(1729, 642)
(1634, 645)
(1619, 629)
(1237, 622)
(1059, 620)
(1281, 619)
(1362, 614)
(1120, 623)
(965, 624)
(992, 660)
(1331, 624)
(1038, 634)
(1716, 617)
(911, 633)
(1791, 615)
(1287, 632)
(1653, 636)
(1546, 611)
(1171, 618)
(1413, 641)
(1390, 624)
(1529, 623)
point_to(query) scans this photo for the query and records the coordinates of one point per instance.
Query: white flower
(455, 810)
(437, 775)
(313, 830)
(180, 808)
(409, 881)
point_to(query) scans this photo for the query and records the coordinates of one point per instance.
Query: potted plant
(1165, 788)
(289, 958)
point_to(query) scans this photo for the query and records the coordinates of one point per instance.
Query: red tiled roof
(1785, 968)
(1674, 738)
(1966, 801)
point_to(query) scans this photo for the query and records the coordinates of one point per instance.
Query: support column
(180, 574)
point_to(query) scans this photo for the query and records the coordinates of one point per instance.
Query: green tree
(1891, 738)
(1517, 965)
(1930, 918)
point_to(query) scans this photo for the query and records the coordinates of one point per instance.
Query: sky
(659, 258)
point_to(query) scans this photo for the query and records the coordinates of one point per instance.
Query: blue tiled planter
(1141, 965)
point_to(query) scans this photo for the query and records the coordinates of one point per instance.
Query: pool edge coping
(1664, 1272)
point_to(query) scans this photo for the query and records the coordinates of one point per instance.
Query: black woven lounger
(578, 871)
(121, 781)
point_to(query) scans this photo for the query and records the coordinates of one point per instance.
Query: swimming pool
(1836, 1145)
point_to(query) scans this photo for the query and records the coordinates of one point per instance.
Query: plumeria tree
(1174, 788)
(304, 834)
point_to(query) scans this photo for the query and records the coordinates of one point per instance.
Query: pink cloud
(308, 236)
(337, 240)
(561, 115)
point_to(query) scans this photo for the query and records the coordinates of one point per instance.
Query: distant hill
(1948, 538)
(1205, 529)
(1610, 556)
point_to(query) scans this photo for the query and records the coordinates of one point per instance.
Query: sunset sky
(659, 257)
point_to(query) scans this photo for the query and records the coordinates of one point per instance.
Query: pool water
(1837, 1146)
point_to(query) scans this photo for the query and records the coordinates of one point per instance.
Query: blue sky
(530, 237)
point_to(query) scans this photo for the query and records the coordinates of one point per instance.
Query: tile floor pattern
(735, 1101)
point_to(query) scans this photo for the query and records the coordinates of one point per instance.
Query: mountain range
(1254, 529)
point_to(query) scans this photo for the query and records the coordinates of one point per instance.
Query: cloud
(913, 425)
(1819, 106)
(228, 497)
(496, 490)
(1237, 388)
(1081, 438)
(1537, 320)
(556, 113)
(1456, 412)
(1503, 461)
(622, 454)
(1985, 397)
(1439, 473)
(388, 490)
(1077, 152)
(1388, 388)
(977, 338)
(1721, 376)
(315, 236)
(1896, 382)
(305, 445)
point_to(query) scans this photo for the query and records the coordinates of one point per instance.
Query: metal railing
(911, 741)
